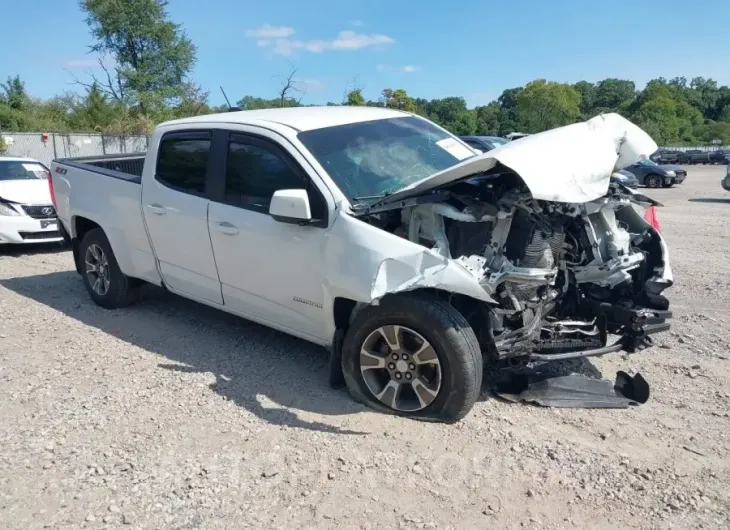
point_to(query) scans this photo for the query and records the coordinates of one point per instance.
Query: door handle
(227, 228)
(157, 209)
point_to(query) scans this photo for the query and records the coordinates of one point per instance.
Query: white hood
(26, 191)
(570, 164)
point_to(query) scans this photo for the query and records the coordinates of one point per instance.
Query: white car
(27, 214)
(385, 238)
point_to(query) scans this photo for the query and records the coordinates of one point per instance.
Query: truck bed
(88, 191)
(126, 167)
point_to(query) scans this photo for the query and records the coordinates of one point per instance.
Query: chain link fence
(703, 148)
(44, 147)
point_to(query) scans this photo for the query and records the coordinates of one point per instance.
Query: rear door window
(182, 161)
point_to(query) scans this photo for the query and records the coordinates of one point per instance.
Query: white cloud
(350, 40)
(275, 38)
(357, 23)
(267, 31)
(408, 69)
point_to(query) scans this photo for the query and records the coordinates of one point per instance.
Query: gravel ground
(170, 414)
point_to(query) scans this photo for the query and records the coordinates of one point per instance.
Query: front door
(270, 271)
(175, 210)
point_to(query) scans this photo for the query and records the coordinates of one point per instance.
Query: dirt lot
(170, 414)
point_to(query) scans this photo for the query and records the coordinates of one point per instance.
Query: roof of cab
(297, 118)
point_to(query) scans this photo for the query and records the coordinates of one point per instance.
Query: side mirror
(291, 206)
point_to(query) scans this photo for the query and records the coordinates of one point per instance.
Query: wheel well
(474, 311)
(342, 311)
(82, 225)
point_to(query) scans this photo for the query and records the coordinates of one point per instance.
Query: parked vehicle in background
(697, 156)
(516, 135)
(721, 156)
(484, 143)
(380, 235)
(27, 214)
(626, 178)
(653, 175)
(726, 181)
(668, 156)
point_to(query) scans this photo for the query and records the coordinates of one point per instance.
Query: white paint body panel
(288, 276)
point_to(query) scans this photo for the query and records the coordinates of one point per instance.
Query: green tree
(398, 99)
(544, 105)
(587, 93)
(658, 117)
(717, 130)
(253, 103)
(508, 101)
(94, 113)
(489, 119)
(451, 113)
(612, 94)
(14, 94)
(153, 57)
(355, 98)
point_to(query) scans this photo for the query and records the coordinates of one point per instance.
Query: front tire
(413, 355)
(653, 181)
(105, 282)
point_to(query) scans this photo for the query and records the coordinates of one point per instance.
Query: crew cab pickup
(383, 237)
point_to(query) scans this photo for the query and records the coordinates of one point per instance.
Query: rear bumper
(20, 230)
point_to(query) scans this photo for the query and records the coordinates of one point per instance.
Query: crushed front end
(564, 278)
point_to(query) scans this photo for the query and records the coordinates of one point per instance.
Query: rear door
(270, 271)
(175, 206)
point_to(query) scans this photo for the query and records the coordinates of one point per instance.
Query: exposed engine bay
(563, 276)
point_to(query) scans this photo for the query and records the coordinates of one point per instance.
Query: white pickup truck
(385, 238)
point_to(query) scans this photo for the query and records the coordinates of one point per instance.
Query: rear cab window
(183, 159)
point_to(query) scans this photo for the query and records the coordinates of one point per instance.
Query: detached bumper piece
(574, 390)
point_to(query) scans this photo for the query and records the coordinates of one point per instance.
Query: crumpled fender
(365, 263)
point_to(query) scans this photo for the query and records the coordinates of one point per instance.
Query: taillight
(650, 216)
(50, 189)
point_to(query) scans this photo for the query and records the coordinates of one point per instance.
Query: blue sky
(433, 49)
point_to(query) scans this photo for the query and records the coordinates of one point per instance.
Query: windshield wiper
(372, 197)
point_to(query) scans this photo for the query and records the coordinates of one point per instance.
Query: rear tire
(431, 336)
(653, 181)
(106, 284)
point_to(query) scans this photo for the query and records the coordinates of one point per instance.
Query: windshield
(20, 170)
(647, 162)
(369, 159)
(496, 140)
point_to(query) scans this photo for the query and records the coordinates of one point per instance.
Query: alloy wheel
(97, 269)
(400, 368)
